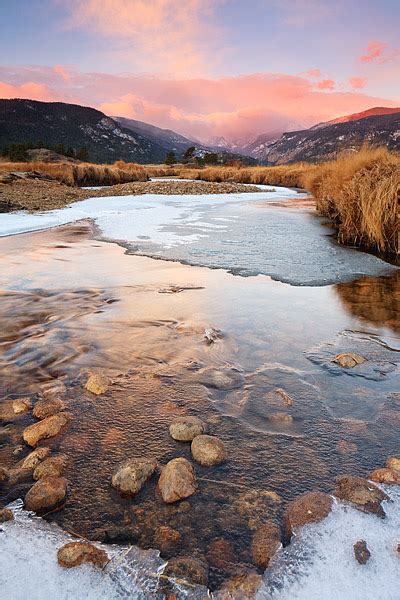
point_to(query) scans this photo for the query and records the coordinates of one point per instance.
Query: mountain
(371, 112)
(258, 146)
(166, 138)
(76, 126)
(327, 139)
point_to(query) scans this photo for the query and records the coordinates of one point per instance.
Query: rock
(4, 475)
(281, 417)
(349, 360)
(177, 480)
(18, 450)
(361, 552)
(74, 554)
(97, 384)
(190, 569)
(185, 429)
(393, 463)
(45, 494)
(362, 493)
(266, 542)
(212, 335)
(130, 477)
(6, 515)
(221, 555)
(49, 427)
(258, 506)
(50, 467)
(34, 458)
(384, 475)
(166, 538)
(241, 587)
(47, 408)
(208, 450)
(221, 379)
(21, 406)
(345, 447)
(310, 507)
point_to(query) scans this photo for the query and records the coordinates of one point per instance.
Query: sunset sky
(205, 67)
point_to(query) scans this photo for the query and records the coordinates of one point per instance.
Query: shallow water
(71, 304)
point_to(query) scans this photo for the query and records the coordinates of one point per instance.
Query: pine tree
(170, 159)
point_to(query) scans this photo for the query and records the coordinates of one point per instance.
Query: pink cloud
(374, 51)
(235, 107)
(62, 72)
(358, 83)
(159, 35)
(326, 84)
(314, 73)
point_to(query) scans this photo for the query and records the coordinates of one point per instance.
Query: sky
(205, 68)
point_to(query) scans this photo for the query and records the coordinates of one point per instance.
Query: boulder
(74, 554)
(385, 475)
(266, 543)
(48, 427)
(221, 379)
(34, 458)
(348, 360)
(177, 480)
(188, 568)
(241, 587)
(97, 384)
(47, 408)
(130, 477)
(53, 467)
(185, 429)
(362, 493)
(46, 494)
(21, 406)
(208, 450)
(6, 515)
(361, 552)
(310, 507)
(166, 538)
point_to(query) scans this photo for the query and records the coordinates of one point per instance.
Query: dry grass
(84, 173)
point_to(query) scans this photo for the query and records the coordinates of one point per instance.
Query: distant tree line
(209, 158)
(18, 152)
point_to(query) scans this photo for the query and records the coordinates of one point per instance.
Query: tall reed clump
(360, 192)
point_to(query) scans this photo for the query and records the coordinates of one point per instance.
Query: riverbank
(35, 195)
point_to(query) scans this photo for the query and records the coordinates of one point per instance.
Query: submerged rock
(222, 379)
(47, 408)
(348, 360)
(208, 450)
(21, 406)
(221, 555)
(241, 587)
(97, 384)
(130, 477)
(393, 463)
(177, 480)
(185, 429)
(310, 507)
(361, 552)
(258, 506)
(266, 543)
(6, 515)
(50, 467)
(4, 475)
(45, 494)
(166, 538)
(362, 493)
(49, 427)
(34, 458)
(281, 417)
(190, 569)
(76, 553)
